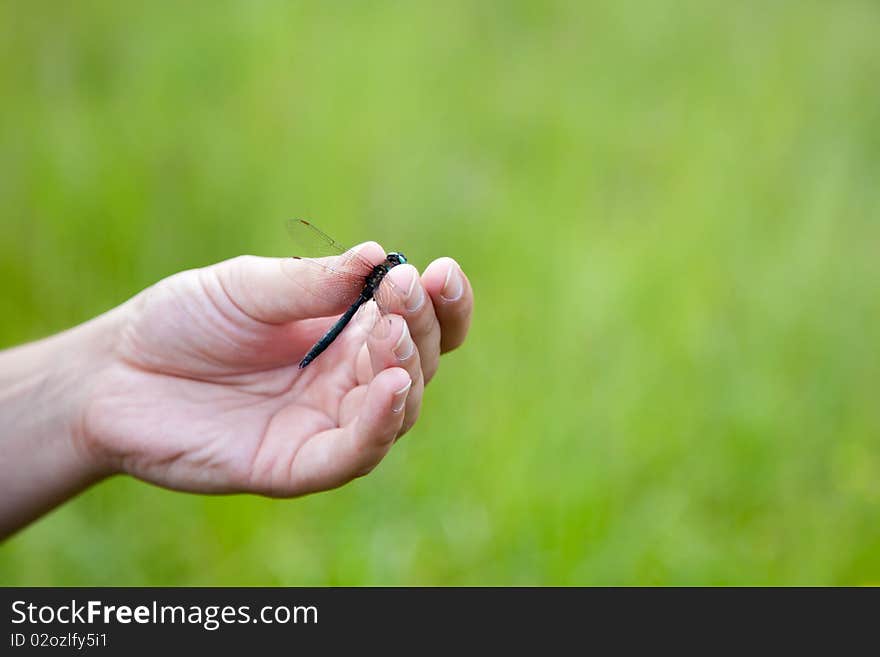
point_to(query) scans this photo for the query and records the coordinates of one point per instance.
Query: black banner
(122, 620)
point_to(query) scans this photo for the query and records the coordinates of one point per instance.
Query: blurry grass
(669, 211)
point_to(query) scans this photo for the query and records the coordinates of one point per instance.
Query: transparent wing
(314, 241)
(344, 271)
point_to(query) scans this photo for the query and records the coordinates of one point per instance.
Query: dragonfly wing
(311, 242)
(343, 271)
(314, 242)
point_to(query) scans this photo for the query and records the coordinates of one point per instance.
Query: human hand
(200, 389)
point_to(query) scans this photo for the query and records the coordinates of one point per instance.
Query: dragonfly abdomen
(335, 330)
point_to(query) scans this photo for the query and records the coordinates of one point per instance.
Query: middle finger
(395, 347)
(414, 305)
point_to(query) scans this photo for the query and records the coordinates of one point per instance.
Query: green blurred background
(670, 213)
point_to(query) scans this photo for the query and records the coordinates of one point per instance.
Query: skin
(193, 385)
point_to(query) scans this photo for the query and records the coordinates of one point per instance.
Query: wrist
(84, 356)
(45, 389)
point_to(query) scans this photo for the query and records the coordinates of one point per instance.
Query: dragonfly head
(394, 258)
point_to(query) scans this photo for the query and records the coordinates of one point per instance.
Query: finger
(281, 290)
(396, 348)
(336, 456)
(453, 300)
(413, 304)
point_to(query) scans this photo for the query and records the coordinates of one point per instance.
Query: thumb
(281, 290)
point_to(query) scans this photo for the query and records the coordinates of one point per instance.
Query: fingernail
(415, 295)
(405, 346)
(398, 401)
(454, 285)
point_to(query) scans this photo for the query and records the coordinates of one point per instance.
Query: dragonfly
(350, 279)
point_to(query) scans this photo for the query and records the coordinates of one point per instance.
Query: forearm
(44, 388)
